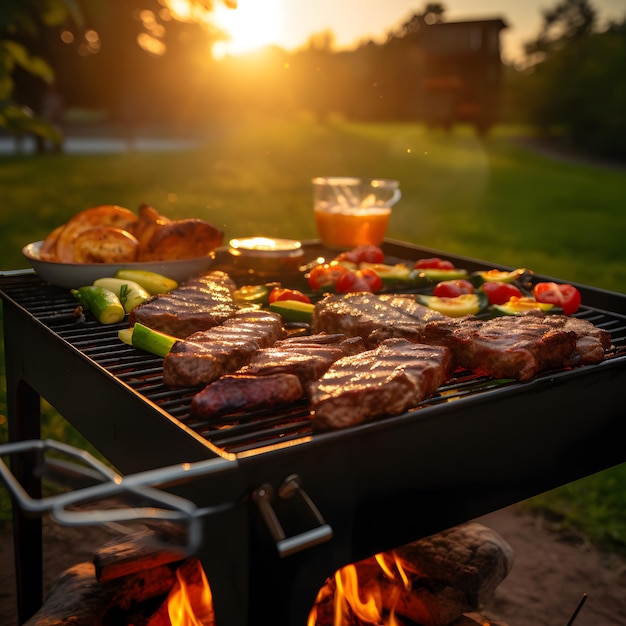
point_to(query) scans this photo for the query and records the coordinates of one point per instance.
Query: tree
(21, 25)
(433, 13)
(29, 36)
(567, 21)
(576, 82)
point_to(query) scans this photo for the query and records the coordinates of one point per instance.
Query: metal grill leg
(24, 420)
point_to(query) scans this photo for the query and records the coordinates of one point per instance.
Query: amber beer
(352, 211)
(341, 227)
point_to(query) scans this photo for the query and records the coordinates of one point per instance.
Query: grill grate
(238, 432)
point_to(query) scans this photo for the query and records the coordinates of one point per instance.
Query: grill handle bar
(172, 508)
(287, 546)
(99, 471)
(26, 271)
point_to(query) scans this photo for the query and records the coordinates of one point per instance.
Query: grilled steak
(206, 355)
(591, 341)
(504, 347)
(197, 304)
(237, 392)
(387, 380)
(268, 379)
(519, 346)
(373, 317)
(349, 345)
(307, 357)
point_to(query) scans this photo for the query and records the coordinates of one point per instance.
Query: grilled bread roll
(114, 234)
(105, 244)
(96, 217)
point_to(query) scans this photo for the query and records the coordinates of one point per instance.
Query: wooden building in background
(460, 72)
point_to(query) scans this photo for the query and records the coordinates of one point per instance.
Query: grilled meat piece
(193, 363)
(348, 344)
(206, 355)
(270, 372)
(197, 304)
(591, 341)
(373, 317)
(264, 326)
(516, 346)
(237, 392)
(504, 347)
(388, 380)
(307, 357)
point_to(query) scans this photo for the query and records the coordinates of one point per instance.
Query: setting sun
(252, 25)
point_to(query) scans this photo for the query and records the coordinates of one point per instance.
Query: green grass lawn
(486, 198)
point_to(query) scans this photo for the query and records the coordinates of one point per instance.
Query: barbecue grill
(286, 507)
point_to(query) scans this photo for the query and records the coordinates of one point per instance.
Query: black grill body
(477, 446)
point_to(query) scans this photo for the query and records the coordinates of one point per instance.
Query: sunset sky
(288, 23)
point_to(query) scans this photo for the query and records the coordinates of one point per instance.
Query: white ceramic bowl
(75, 275)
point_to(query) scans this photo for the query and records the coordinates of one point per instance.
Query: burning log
(443, 580)
(75, 599)
(125, 574)
(463, 566)
(157, 597)
(136, 589)
(79, 599)
(436, 581)
(138, 553)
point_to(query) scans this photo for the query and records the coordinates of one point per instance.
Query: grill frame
(381, 475)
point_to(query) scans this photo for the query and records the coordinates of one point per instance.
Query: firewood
(160, 617)
(78, 599)
(470, 557)
(451, 573)
(139, 552)
(449, 577)
(75, 599)
(129, 591)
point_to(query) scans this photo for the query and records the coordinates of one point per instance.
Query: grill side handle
(104, 482)
(287, 546)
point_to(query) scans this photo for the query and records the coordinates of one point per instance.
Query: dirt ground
(549, 577)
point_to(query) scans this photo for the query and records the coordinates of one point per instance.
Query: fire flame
(190, 601)
(353, 596)
(360, 601)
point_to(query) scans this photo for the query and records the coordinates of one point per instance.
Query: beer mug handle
(397, 194)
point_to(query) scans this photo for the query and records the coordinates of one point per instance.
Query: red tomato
(564, 295)
(278, 293)
(434, 263)
(359, 280)
(325, 276)
(499, 293)
(363, 254)
(452, 288)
